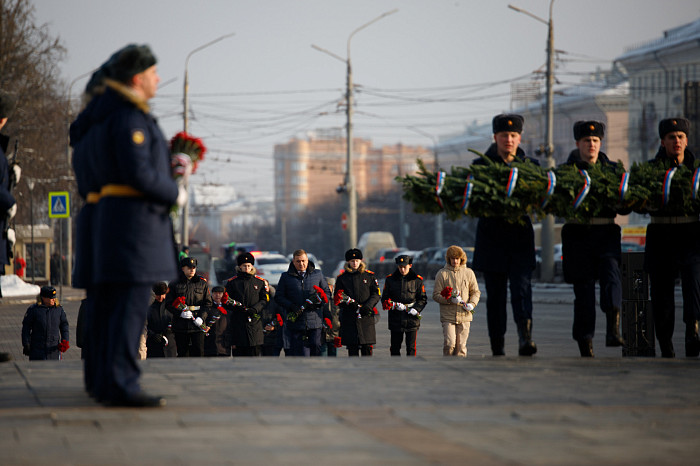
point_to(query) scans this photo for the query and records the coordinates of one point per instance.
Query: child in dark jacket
(45, 327)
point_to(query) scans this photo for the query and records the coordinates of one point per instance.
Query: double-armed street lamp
(547, 232)
(350, 187)
(184, 236)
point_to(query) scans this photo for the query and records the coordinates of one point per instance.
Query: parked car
(388, 254)
(271, 266)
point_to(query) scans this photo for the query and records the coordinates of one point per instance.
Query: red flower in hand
(179, 303)
(321, 294)
(280, 322)
(446, 292)
(328, 322)
(337, 342)
(222, 310)
(387, 304)
(63, 346)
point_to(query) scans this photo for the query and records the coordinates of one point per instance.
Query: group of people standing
(505, 250)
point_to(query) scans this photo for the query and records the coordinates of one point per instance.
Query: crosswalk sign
(59, 204)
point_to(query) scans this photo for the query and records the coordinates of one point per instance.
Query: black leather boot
(585, 346)
(612, 333)
(497, 346)
(526, 347)
(666, 347)
(692, 342)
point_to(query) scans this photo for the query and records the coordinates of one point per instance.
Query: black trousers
(118, 315)
(496, 301)
(397, 340)
(584, 301)
(190, 344)
(356, 350)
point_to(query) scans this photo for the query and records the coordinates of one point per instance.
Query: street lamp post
(350, 187)
(184, 234)
(547, 232)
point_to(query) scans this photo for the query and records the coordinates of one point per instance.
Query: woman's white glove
(469, 307)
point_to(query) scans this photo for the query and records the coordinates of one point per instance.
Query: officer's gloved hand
(187, 315)
(400, 306)
(16, 172)
(12, 211)
(165, 340)
(181, 196)
(413, 312)
(25, 350)
(198, 321)
(11, 237)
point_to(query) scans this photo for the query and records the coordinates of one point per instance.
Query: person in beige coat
(457, 292)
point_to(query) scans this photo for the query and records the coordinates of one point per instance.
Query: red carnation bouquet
(317, 299)
(179, 304)
(342, 298)
(387, 304)
(187, 151)
(446, 293)
(63, 346)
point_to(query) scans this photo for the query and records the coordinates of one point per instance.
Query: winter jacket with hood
(459, 278)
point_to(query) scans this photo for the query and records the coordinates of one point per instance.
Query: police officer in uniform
(673, 247)
(404, 297)
(505, 251)
(190, 316)
(592, 251)
(119, 147)
(357, 317)
(245, 320)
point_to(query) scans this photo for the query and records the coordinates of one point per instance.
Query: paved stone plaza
(555, 408)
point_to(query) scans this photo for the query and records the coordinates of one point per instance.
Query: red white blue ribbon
(512, 179)
(696, 183)
(467, 193)
(624, 185)
(584, 191)
(667, 184)
(551, 184)
(439, 185)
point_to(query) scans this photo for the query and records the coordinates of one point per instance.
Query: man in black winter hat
(122, 165)
(673, 249)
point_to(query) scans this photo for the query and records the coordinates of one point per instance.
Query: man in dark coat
(45, 332)
(250, 297)
(119, 147)
(9, 176)
(304, 320)
(505, 251)
(592, 251)
(190, 304)
(673, 247)
(160, 339)
(357, 294)
(404, 297)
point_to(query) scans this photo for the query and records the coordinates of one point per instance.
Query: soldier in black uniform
(404, 297)
(190, 316)
(160, 339)
(245, 320)
(357, 315)
(505, 251)
(673, 247)
(592, 251)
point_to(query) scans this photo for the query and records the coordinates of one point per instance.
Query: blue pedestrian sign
(59, 204)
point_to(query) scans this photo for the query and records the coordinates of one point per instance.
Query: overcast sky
(422, 73)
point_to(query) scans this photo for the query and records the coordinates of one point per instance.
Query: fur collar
(360, 269)
(128, 95)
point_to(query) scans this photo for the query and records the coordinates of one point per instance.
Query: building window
(298, 166)
(299, 180)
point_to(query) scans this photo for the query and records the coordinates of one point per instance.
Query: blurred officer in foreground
(592, 251)
(673, 247)
(505, 251)
(122, 166)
